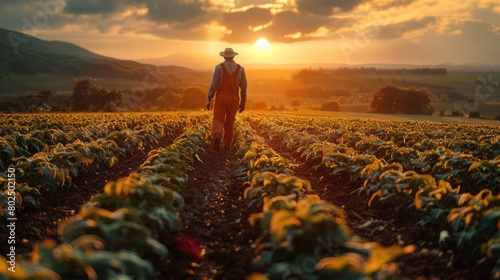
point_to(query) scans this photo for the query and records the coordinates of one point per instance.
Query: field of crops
(144, 196)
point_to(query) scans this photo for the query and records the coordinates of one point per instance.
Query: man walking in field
(228, 84)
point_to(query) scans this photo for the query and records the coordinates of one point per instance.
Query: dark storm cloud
(399, 29)
(240, 24)
(252, 16)
(173, 10)
(326, 7)
(164, 11)
(87, 7)
(31, 16)
(4, 3)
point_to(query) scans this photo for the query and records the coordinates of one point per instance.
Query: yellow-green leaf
(375, 194)
(353, 262)
(257, 276)
(476, 164)
(281, 221)
(382, 255)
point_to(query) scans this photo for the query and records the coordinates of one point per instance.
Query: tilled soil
(431, 260)
(217, 216)
(35, 224)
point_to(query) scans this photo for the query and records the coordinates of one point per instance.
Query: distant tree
(106, 100)
(11, 107)
(87, 96)
(44, 96)
(193, 98)
(330, 106)
(259, 105)
(474, 114)
(295, 103)
(397, 100)
(174, 99)
(81, 97)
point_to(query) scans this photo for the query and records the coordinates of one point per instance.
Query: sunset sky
(191, 33)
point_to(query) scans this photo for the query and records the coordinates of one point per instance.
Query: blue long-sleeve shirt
(217, 78)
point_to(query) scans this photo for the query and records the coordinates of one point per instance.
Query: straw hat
(228, 52)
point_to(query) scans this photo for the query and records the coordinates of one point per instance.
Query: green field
(359, 111)
(463, 82)
(149, 193)
(488, 110)
(43, 81)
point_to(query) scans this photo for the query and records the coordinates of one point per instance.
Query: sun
(262, 46)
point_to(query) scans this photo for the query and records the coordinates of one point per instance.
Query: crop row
(473, 218)
(472, 172)
(54, 168)
(106, 239)
(417, 135)
(305, 237)
(26, 135)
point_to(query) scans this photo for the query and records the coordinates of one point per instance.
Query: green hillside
(15, 39)
(29, 56)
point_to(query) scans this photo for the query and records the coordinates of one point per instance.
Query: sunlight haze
(191, 33)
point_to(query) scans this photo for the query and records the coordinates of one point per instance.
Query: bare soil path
(217, 216)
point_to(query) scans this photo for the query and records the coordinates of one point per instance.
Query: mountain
(27, 55)
(24, 41)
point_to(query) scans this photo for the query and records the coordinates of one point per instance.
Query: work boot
(217, 139)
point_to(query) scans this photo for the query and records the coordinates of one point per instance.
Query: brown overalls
(227, 100)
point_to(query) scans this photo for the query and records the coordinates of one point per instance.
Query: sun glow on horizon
(262, 51)
(261, 46)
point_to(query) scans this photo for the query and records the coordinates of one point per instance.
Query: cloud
(476, 40)
(291, 26)
(326, 7)
(89, 7)
(403, 29)
(286, 26)
(250, 17)
(167, 11)
(241, 24)
(162, 11)
(250, 3)
(465, 24)
(489, 13)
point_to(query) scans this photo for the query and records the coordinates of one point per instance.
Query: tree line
(88, 96)
(399, 100)
(309, 73)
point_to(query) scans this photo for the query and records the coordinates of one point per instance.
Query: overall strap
(237, 70)
(224, 70)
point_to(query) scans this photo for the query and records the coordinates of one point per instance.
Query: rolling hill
(25, 55)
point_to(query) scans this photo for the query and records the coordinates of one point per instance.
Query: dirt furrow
(216, 215)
